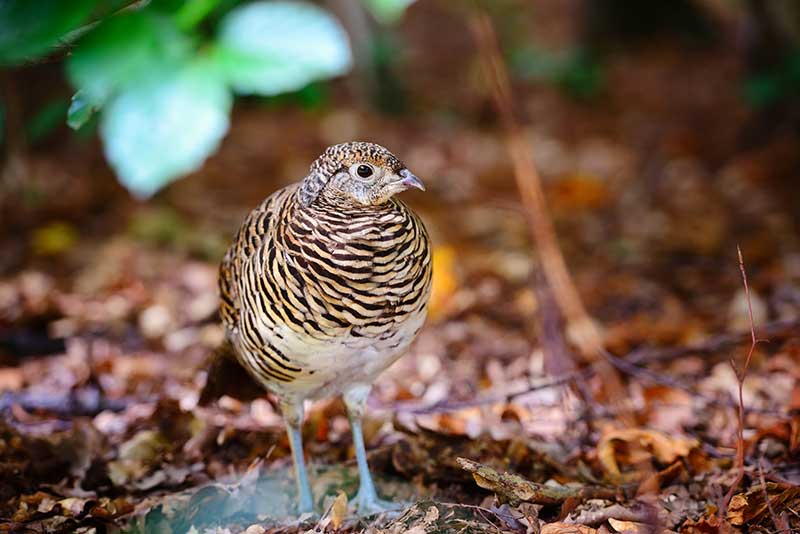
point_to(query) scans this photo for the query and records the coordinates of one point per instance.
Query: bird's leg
(293, 415)
(366, 500)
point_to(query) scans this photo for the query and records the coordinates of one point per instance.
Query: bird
(325, 285)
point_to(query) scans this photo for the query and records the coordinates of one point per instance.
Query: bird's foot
(306, 510)
(367, 504)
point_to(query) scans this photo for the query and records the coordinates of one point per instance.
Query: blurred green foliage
(776, 84)
(162, 226)
(29, 29)
(387, 11)
(577, 72)
(162, 73)
(46, 119)
(166, 90)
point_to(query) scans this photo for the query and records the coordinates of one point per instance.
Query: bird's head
(359, 172)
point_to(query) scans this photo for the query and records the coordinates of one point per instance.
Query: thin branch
(780, 522)
(741, 375)
(774, 330)
(517, 489)
(581, 326)
(530, 188)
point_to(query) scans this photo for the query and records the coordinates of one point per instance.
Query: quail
(325, 285)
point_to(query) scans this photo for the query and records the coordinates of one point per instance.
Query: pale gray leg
(293, 415)
(366, 500)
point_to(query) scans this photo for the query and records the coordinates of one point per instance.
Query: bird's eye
(364, 171)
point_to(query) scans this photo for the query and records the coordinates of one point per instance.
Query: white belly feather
(331, 366)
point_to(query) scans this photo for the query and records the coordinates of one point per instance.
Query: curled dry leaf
(749, 507)
(564, 528)
(640, 445)
(338, 510)
(708, 524)
(633, 527)
(517, 489)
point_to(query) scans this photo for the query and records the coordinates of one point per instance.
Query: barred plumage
(327, 282)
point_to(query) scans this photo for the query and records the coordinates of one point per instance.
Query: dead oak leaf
(635, 445)
(564, 528)
(751, 506)
(633, 527)
(338, 510)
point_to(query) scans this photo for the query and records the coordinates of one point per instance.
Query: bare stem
(741, 375)
(583, 329)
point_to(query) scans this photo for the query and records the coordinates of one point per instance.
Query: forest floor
(108, 315)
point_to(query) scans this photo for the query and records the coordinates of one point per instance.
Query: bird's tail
(226, 377)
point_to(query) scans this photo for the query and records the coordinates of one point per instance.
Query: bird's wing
(249, 240)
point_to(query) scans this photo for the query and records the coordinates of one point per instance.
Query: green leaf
(31, 28)
(192, 12)
(80, 111)
(268, 48)
(49, 117)
(158, 130)
(387, 11)
(123, 49)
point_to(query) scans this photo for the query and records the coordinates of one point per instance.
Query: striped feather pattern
(316, 297)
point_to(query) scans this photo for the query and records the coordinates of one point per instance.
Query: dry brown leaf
(578, 191)
(517, 489)
(564, 528)
(338, 510)
(72, 506)
(444, 282)
(709, 524)
(737, 509)
(641, 444)
(747, 507)
(653, 483)
(633, 527)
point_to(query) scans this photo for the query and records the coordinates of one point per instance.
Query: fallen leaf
(745, 508)
(338, 510)
(564, 528)
(633, 527)
(639, 445)
(444, 282)
(708, 524)
(578, 191)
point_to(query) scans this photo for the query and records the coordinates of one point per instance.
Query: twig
(779, 521)
(517, 489)
(530, 188)
(489, 398)
(623, 365)
(740, 377)
(774, 330)
(637, 512)
(581, 326)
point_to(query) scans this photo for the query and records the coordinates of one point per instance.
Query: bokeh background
(665, 133)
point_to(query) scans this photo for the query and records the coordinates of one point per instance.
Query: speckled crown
(341, 156)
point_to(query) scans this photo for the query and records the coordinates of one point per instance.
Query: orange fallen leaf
(444, 282)
(708, 524)
(579, 191)
(338, 510)
(564, 528)
(632, 527)
(641, 443)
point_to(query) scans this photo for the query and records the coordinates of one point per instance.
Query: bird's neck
(331, 200)
(337, 220)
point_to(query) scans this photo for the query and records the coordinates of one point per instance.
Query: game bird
(325, 285)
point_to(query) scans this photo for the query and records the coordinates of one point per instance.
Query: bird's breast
(332, 298)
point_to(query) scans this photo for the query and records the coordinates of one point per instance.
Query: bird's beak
(410, 180)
